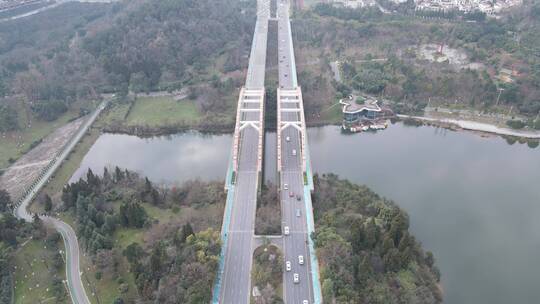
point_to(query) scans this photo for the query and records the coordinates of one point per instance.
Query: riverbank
(469, 125)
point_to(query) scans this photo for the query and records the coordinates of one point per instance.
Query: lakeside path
(477, 126)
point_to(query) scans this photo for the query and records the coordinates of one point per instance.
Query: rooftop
(356, 104)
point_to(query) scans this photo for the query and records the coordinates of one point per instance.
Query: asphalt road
(73, 273)
(296, 243)
(236, 276)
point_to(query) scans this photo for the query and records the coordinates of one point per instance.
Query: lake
(473, 201)
(164, 159)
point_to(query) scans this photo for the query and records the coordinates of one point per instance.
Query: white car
(287, 138)
(301, 259)
(305, 302)
(286, 186)
(296, 279)
(286, 230)
(297, 212)
(288, 265)
(294, 152)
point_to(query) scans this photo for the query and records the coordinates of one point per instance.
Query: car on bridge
(296, 278)
(301, 259)
(288, 265)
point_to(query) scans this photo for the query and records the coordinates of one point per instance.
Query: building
(363, 113)
(357, 109)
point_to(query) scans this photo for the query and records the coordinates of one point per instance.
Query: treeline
(452, 14)
(365, 250)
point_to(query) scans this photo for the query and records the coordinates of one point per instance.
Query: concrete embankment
(476, 126)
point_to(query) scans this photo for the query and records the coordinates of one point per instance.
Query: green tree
(8, 118)
(47, 204)
(5, 201)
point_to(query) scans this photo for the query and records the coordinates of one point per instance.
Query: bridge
(233, 283)
(295, 171)
(245, 175)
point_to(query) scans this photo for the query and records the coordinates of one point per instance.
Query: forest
(172, 254)
(366, 252)
(134, 46)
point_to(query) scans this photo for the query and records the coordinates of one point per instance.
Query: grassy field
(14, 144)
(32, 278)
(332, 115)
(159, 111)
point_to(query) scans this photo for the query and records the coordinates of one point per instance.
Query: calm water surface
(163, 159)
(473, 201)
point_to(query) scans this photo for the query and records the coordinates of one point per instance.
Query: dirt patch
(25, 171)
(455, 57)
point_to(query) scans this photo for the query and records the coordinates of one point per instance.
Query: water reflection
(166, 159)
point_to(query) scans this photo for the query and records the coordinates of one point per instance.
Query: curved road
(73, 273)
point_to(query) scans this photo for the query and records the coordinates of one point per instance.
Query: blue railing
(224, 231)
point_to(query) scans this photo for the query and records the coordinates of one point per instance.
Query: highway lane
(295, 244)
(236, 276)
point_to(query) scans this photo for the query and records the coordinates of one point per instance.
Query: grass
(159, 111)
(107, 289)
(14, 144)
(332, 115)
(32, 278)
(116, 113)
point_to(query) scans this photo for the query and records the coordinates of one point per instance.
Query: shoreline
(474, 126)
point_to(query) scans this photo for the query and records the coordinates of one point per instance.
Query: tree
(373, 234)
(132, 214)
(187, 230)
(328, 290)
(5, 201)
(47, 204)
(133, 253)
(9, 119)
